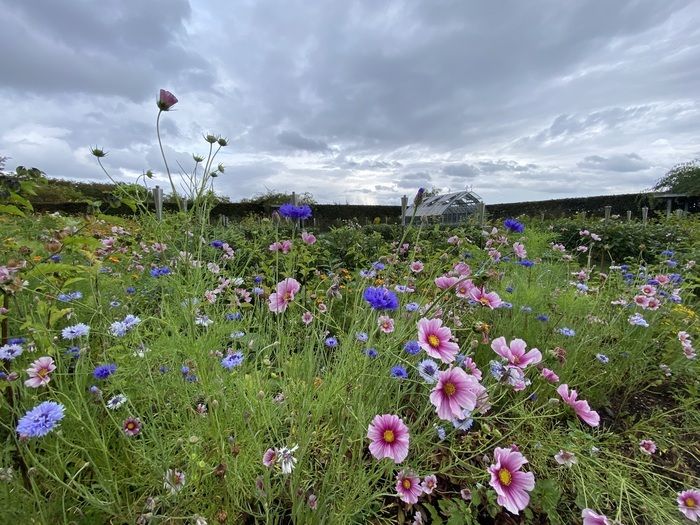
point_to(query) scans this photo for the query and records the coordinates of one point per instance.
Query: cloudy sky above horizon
(358, 101)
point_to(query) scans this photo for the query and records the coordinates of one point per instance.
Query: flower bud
(198, 158)
(166, 100)
(222, 141)
(97, 152)
(211, 139)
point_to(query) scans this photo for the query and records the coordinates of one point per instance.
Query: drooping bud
(223, 142)
(97, 152)
(220, 168)
(419, 197)
(166, 100)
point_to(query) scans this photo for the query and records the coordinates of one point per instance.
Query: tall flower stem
(167, 169)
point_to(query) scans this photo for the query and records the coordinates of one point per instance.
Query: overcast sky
(359, 101)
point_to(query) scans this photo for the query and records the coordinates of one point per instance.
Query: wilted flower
(174, 480)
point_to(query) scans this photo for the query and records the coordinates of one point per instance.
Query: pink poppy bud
(166, 100)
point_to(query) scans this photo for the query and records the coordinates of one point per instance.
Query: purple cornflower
(371, 352)
(10, 351)
(104, 371)
(331, 342)
(75, 331)
(399, 372)
(233, 360)
(381, 298)
(290, 211)
(514, 225)
(412, 347)
(40, 420)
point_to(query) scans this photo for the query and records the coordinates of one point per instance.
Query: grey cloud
(295, 140)
(624, 163)
(466, 171)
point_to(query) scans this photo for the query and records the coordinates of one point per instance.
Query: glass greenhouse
(450, 208)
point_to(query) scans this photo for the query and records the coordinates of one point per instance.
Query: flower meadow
(177, 371)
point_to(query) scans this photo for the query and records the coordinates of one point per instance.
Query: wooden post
(679, 213)
(158, 201)
(482, 213)
(294, 198)
(542, 216)
(608, 210)
(404, 205)
(629, 215)
(645, 214)
(669, 206)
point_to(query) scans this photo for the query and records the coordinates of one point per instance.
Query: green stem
(167, 169)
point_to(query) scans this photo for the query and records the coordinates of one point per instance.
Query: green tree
(682, 178)
(272, 197)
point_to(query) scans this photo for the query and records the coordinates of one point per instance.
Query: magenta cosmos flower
(549, 375)
(647, 446)
(40, 372)
(689, 504)
(455, 391)
(515, 353)
(286, 290)
(408, 486)
(166, 100)
(492, 300)
(435, 340)
(510, 483)
(389, 437)
(581, 407)
(591, 518)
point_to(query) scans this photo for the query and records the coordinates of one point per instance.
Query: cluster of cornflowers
(228, 252)
(121, 328)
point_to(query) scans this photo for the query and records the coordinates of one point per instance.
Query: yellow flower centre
(484, 301)
(131, 425)
(505, 477)
(449, 389)
(287, 296)
(389, 436)
(43, 372)
(433, 341)
(690, 502)
(406, 483)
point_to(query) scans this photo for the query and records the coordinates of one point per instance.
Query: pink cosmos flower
(429, 484)
(40, 372)
(445, 281)
(166, 100)
(641, 300)
(464, 288)
(492, 300)
(286, 290)
(389, 437)
(510, 483)
(653, 303)
(515, 354)
(132, 426)
(462, 269)
(307, 317)
(519, 250)
(471, 368)
(454, 392)
(582, 409)
(408, 486)
(417, 266)
(386, 324)
(689, 504)
(648, 290)
(683, 336)
(454, 240)
(270, 457)
(549, 375)
(663, 279)
(495, 255)
(435, 340)
(647, 446)
(591, 518)
(308, 238)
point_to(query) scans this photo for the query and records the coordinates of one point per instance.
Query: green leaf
(434, 514)
(11, 210)
(56, 315)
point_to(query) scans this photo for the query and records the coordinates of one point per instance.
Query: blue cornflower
(114, 304)
(10, 351)
(75, 331)
(668, 253)
(257, 279)
(371, 352)
(505, 258)
(506, 305)
(191, 378)
(671, 263)
(331, 342)
(367, 274)
(163, 369)
(233, 360)
(399, 372)
(55, 258)
(441, 433)
(233, 316)
(290, 211)
(159, 272)
(361, 337)
(602, 358)
(130, 321)
(73, 352)
(581, 287)
(542, 317)
(459, 359)
(236, 335)
(381, 298)
(497, 369)
(185, 370)
(568, 332)
(509, 289)
(526, 309)
(411, 307)
(118, 329)
(465, 422)
(428, 370)
(378, 265)
(527, 263)
(216, 244)
(104, 371)
(675, 278)
(130, 290)
(412, 347)
(68, 297)
(41, 419)
(653, 282)
(16, 341)
(514, 225)
(624, 267)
